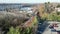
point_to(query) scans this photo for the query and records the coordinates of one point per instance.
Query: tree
(58, 5)
(48, 7)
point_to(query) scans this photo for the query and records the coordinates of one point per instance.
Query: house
(57, 9)
(27, 9)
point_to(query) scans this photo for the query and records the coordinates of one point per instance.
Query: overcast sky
(27, 1)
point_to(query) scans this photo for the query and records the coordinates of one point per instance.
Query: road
(44, 29)
(48, 31)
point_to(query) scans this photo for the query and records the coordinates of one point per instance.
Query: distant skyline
(28, 1)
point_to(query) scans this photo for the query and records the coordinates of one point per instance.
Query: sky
(28, 1)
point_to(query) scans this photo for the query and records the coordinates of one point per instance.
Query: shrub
(18, 30)
(28, 31)
(53, 17)
(35, 21)
(14, 31)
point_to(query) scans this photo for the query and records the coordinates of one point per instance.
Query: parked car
(52, 27)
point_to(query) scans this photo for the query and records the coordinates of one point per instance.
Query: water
(4, 6)
(15, 5)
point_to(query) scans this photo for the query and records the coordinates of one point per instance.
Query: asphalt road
(44, 29)
(48, 31)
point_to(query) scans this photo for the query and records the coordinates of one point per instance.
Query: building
(57, 9)
(27, 9)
